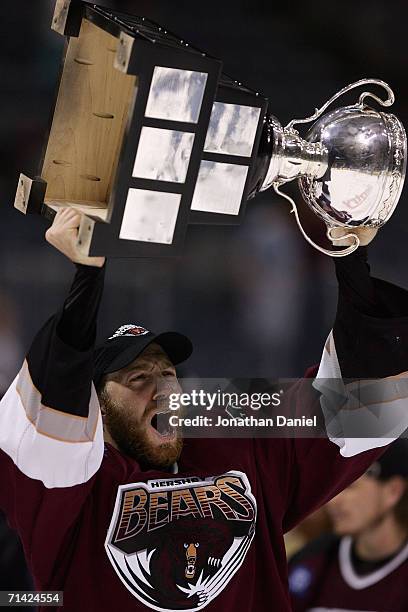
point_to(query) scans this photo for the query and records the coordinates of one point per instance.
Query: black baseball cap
(394, 462)
(127, 342)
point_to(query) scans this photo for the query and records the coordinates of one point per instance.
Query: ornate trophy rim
(398, 166)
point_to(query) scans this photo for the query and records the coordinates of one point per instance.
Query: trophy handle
(366, 94)
(342, 253)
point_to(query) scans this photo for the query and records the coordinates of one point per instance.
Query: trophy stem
(292, 157)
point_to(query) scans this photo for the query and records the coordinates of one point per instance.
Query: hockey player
(119, 516)
(364, 564)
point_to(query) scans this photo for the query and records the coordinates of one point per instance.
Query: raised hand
(365, 234)
(63, 235)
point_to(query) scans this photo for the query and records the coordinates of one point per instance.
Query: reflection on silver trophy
(149, 136)
(350, 168)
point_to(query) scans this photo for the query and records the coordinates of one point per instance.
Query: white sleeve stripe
(55, 462)
(51, 422)
(329, 365)
(364, 414)
(372, 392)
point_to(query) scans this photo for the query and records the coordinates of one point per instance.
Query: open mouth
(161, 426)
(190, 571)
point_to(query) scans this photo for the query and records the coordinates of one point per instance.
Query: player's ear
(396, 487)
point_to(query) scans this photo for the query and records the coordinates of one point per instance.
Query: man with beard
(130, 399)
(114, 514)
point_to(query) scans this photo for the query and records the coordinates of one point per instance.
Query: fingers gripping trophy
(63, 235)
(149, 136)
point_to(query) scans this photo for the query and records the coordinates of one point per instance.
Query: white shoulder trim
(363, 414)
(362, 582)
(59, 449)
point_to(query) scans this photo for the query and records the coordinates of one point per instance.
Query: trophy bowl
(350, 166)
(366, 162)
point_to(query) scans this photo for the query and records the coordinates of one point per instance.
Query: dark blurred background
(256, 300)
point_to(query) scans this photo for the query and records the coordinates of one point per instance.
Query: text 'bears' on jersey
(176, 544)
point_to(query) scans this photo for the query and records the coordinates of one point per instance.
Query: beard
(132, 439)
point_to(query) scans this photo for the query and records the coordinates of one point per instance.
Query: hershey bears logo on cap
(129, 330)
(176, 543)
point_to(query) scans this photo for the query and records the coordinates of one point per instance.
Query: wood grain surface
(89, 123)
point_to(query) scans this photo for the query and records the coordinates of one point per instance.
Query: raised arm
(51, 434)
(50, 420)
(371, 326)
(363, 390)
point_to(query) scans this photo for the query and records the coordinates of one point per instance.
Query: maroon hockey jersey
(212, 534)
(114, 537)
(322, 578)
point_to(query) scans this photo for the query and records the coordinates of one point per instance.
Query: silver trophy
(350, 167)
(149, 136)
